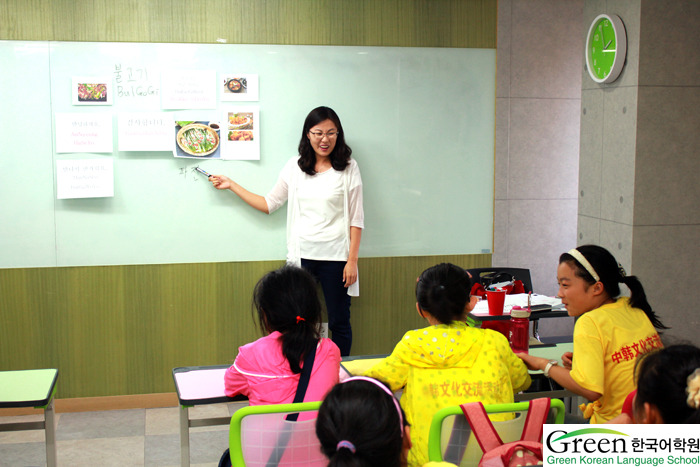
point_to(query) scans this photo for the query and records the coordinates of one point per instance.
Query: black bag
(276, 455)
(495, 278)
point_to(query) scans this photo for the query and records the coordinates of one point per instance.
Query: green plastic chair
(260, 436)
(451, 440)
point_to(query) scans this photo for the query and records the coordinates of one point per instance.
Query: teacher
(323, 190)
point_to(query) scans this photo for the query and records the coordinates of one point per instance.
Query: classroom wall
(115, 330)
(637, 198)
(538, 100)
(640, 143)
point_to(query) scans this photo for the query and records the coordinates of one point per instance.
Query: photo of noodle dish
(197, 139)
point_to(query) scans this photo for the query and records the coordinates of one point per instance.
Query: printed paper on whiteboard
(240, 138)
(188, 89)
(84, 178)
(84, 132)
(145, 131)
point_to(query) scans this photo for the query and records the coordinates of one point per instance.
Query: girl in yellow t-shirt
(448, 363)
(610, 332)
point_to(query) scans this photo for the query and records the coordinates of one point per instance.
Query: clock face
(602, 47)
(606, 47)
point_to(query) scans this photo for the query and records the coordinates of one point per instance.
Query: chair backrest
(261, 436)
(519, 273)
(451, 439)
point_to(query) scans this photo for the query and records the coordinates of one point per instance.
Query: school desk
(199, 385)
(31, 388)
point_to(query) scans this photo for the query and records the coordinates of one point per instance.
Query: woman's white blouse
(321, 209)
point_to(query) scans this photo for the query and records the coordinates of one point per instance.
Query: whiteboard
(420, 122)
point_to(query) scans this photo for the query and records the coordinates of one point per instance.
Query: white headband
(584, 262)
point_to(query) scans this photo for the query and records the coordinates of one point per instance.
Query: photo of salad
(89, 92)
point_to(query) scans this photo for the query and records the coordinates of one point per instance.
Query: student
(448, 363)
(668, 387)
(323, 191)
(610, 332)
(360, 423)
(289, 313)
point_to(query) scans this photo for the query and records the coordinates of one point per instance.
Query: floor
(148, 437)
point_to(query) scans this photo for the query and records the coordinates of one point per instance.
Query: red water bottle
(519, 334)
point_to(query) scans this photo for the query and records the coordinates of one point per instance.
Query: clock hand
(602, 35)
(608, 44)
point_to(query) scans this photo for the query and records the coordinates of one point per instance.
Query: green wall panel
(116, 330)
(408, 23)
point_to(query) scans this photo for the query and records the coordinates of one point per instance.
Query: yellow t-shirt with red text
(607, 341)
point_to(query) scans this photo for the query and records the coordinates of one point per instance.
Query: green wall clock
(606, 48)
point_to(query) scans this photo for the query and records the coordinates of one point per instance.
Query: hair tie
(300, 319)
(345, 444)
(621, 270)
(578, 256)
(693, 389)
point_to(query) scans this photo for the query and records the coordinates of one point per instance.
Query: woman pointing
(323, 190)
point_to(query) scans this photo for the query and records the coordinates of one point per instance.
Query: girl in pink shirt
(267, 371)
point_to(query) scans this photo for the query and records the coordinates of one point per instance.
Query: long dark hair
(279, 298)
(443, 291)
(340, 157)
(363, 414)
(662, 379)
(611, 275)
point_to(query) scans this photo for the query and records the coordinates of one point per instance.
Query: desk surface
(551, 351)
(542, 307)
(358, 365)
(202, 385)
(197, 385)
(544, 312)
(27, 388)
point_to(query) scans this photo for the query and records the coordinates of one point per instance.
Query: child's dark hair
(444, 291)
(360, 416)
(340, 156)
(287, 301)
(662, 380)
(611, 275)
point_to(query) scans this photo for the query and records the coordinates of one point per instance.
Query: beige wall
(538, 100)
(640, 156)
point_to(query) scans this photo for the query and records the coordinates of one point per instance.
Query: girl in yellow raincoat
(448, 363)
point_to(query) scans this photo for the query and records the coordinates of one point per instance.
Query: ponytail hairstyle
(287, 301)
(360, 424)
(670, 380)
(444, 291)
(610, 273)
(340, 156)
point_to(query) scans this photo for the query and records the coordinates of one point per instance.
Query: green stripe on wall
(118, 330)
(396, 23)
